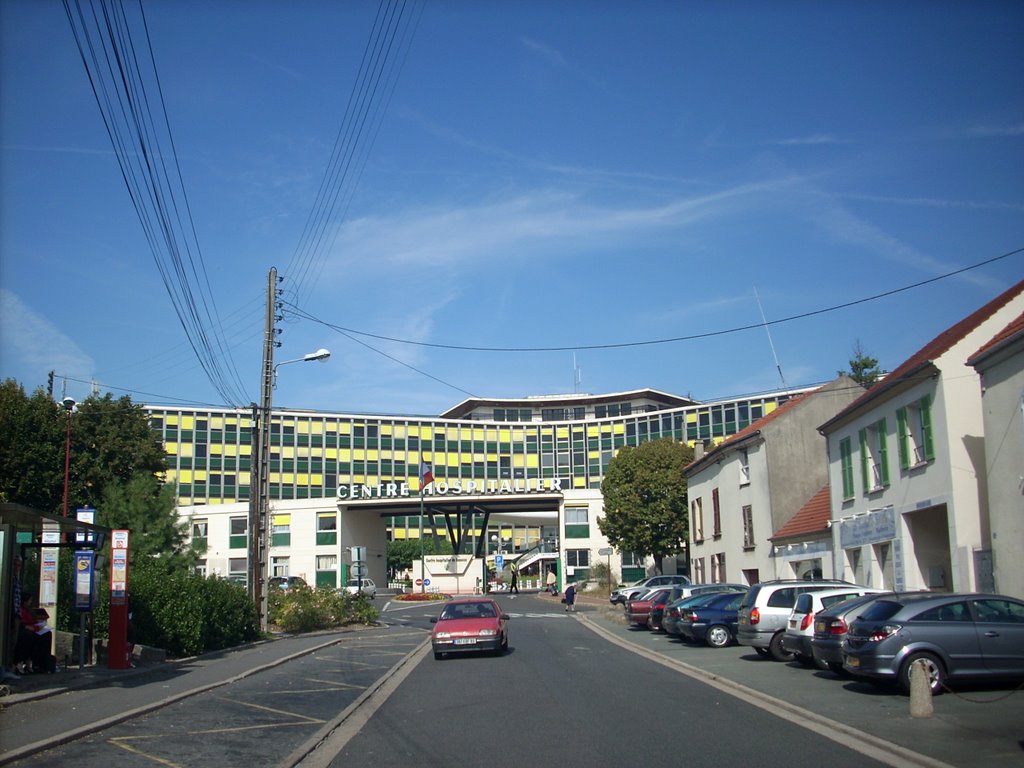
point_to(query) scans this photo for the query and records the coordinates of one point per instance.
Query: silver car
(765, 610)
(954, 635)
(633, 591)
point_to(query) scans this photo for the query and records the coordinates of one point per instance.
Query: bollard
(920, 690)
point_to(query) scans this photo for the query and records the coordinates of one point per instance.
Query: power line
(651, 342)
(119, 84)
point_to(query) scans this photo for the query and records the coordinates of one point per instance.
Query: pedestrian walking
(570, 598)
(550, 582)
(514, 586)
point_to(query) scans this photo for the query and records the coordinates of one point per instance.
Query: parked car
(364, 585)
(672, 615)
(638, 611)
(712, 620)
(830, 626)
(634, 590)
(657, 611)
(765, 610)
(287, 582)
(955, 635)
(473, 624)
(800, 626)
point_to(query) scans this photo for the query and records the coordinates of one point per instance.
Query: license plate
(852, 661)
(819, 626)
(465, 641)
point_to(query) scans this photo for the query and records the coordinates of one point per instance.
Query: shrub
(301, 609)
(422, 596)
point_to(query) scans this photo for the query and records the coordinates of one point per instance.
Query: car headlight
(442, 635)
(488, 632)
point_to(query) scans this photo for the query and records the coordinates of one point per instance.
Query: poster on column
(118, 566)
(48, 565)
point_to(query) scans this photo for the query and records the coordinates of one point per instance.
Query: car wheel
(936, 674)
(718, 636)
(776, 650)
(761, 651)
(836, 668)
(807, 661)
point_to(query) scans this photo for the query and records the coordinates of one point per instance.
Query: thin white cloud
(522, 227)
(33, 346)
(545, 52)
(932, 202)
(812, 140)
(991, 131)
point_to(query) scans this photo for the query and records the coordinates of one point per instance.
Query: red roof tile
(811, 517)
(1014, 328)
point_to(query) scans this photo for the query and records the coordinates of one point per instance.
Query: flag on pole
(426, 475)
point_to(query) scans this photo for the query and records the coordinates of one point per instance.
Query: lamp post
(259, 529)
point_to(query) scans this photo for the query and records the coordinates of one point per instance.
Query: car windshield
(468, 611)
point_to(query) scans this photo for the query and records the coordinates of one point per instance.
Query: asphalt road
(563, 695)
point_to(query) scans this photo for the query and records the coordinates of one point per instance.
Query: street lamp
(321, 355)
(259, 530)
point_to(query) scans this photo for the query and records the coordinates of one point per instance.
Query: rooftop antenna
(764, 321)
(576, 376)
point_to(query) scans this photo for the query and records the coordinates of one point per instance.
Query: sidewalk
(92, 698)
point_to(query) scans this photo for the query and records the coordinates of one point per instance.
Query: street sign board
(499, 562)
(604, 551)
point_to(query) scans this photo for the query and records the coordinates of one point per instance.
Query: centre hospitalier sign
(452, 488)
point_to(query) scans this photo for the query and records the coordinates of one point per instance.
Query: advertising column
(117, 649)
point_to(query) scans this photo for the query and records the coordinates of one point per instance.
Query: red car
(475, 624)
(638, 611)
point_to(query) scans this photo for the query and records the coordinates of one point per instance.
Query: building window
(846, 461)
(577, 558)
(716, 512)
(577, 524)
(697, 519)
(914, 433)
(238, 535)
(200, 535)
(853, 560)
(326, 529)
(281, 532)
(279, 566)
(237, 570)
(718, 568)
(874, 464)
(744, 467)
(698, 570)
(200, 568)
(748, 527)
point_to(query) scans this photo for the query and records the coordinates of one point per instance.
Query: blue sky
(570, 175)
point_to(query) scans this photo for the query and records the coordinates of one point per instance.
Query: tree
(645, 507)
(401, 553)
(863, 369)
(116, 464)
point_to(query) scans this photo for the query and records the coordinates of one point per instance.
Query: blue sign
(426, 582)
(84, 564)
(499, 562)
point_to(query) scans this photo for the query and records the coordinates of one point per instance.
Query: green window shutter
(926, 427)
(901, 438)
(846, 460)
(865, 477)
(883, 453)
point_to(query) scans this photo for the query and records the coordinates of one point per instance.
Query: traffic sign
(499, 562)
(604, 551)
(419, 582)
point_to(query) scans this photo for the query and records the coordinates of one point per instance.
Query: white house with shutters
(906, 467)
